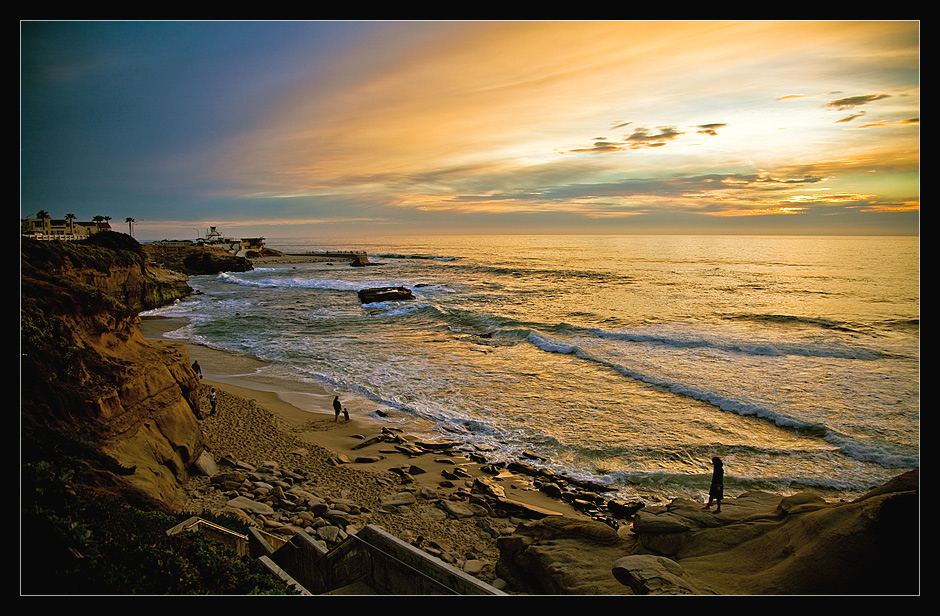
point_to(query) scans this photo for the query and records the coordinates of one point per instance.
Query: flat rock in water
(385, 294)
(532, 455)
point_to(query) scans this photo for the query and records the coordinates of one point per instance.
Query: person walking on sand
(717, 488)
(337, 407)
(346, 413)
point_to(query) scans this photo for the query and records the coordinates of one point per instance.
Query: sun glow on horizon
(596, 120)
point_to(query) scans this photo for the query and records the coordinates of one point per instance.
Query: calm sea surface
(625, 360)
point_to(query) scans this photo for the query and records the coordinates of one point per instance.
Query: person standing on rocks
(197, 369)
(337, 407)
(212, 400)
(717, 488)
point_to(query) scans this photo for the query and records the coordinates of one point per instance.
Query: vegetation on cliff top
(101, 251)
(80, 536)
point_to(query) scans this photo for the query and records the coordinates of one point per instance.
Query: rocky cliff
(86, 370)
(196, 260)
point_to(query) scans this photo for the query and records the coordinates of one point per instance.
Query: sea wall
(87, 372)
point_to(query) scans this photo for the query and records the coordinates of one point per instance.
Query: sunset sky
(309, 129)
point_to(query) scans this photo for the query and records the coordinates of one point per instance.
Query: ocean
(625, 360)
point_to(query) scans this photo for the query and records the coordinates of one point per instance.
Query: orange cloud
(449, 109)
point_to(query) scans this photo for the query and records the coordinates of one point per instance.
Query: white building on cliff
(44, 227)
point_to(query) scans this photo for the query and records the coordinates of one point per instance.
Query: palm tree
(71, 220)
(97, 220)
(44, 218)
(130, 225)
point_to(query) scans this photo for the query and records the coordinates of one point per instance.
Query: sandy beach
(257, 421)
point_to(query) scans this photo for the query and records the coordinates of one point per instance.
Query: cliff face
(88, 372)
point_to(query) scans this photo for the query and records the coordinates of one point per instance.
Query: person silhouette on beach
(345, 413)
(197, 369)
(212, 399)
(717, 488)
(337, 407)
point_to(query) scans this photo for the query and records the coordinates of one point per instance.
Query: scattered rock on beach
(523, 548)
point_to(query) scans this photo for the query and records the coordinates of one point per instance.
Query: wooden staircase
(369, 562)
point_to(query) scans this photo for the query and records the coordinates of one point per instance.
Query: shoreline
(304, 413)
(422, 499)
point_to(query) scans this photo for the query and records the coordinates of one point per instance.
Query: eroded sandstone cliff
(87, 371)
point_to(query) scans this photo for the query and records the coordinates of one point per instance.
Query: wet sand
(262, 418)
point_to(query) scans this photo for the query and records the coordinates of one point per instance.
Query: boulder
(648, 574)
(331, 534)
(562, 556)
(488, 487)
(385, 294)
(399, 499)
(457, 509)
(625, 509)
(367, 459)
(247, 504)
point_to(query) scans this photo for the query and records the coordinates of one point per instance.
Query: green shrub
(80, 537)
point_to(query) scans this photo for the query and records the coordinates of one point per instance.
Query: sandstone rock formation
(87, 371)
(759, 544)
(196, 260)
(563, 556)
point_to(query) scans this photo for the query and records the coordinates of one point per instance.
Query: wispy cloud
(856, 101)
(383, 121)
(710, 129)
